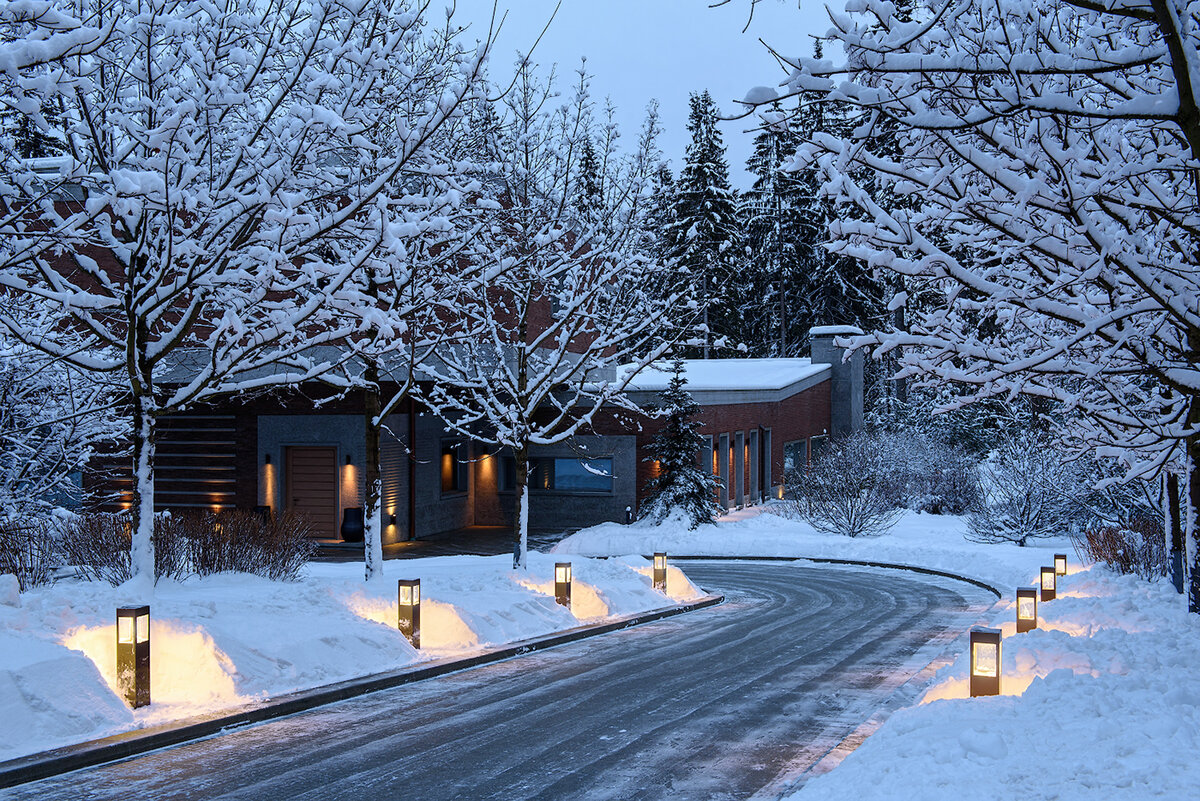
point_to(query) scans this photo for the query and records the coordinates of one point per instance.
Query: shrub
(848, 490)
(191, 544)
(1027, 493)
(927, 475)
(27, 552)
(1140, 550)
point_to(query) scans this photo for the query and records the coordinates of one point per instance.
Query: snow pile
(228, 640)
(1102, 701)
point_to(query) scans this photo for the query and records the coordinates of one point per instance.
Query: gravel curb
(119, 746)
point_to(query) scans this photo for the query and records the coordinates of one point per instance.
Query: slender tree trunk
(142, 527)
(1191, 553)
(1174, 531)
(521, 518)
(372, 534)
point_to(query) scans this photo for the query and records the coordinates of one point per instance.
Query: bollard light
(1026, 609)
(1049, 584)
(660, 571)
(562, 583)
(133, 655)
(985, 662)
(1060, 564)
(408, 596)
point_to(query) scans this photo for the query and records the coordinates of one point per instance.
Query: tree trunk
(1174, 531)
(372, 534)
(521, 519)
(1190, 553)
(142, 528)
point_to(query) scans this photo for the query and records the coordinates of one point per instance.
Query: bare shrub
(848, 490)
(244, 542)
(927, 475)
(27, 552)
(97, 545)
(1028, 493)
(1139, 550)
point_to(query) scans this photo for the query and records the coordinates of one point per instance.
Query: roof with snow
(717, 381)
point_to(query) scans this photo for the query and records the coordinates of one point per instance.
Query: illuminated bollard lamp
(660, 571)
(133, 655)
(408, 616)
(1049, 584)
(1027, 609)
(562, 583)
(985, 662)
(1060, 564)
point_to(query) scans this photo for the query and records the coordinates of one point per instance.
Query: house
(303, 449)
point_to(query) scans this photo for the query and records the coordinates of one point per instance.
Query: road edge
(116, 747)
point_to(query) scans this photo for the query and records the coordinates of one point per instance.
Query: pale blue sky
(664, 49)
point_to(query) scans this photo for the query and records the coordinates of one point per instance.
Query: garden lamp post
(1026, 609)
(562, 583)
(133, 655)
(1049, 584)
(660, 571)
(985, 662)
(1060, 564)
(408, 596)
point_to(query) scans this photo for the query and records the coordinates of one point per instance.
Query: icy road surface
(727, 702)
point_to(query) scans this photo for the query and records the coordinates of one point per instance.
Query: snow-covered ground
(1102, 701)
(229, 640)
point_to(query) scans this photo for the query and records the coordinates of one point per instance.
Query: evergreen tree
(31, 138)
(705, 236)
(680, 485)
(776, 322)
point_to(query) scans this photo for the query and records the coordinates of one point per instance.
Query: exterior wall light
(562, 583)
(1060, 564)
(408, 594)
(985, 662)
(660, 571)
(1049, 584)
(133, 655)
(1026, 609)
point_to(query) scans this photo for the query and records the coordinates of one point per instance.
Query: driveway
(722, 703)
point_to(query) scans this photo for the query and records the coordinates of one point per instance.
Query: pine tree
(776, 324)
(680, 485)
(705, 237)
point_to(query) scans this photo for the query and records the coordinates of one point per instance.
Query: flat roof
(718, 381)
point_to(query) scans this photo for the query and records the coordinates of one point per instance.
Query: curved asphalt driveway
(720, 703)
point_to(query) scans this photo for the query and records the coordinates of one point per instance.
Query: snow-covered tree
(229, 171)
(1055, 148)
(680, 485)
(705, 238)
(558, 303)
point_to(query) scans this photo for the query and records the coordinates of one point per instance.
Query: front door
(312, 488)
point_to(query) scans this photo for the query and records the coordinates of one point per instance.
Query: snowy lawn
(1102, 701)
(229, 640)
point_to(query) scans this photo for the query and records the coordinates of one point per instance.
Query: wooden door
(312, 488)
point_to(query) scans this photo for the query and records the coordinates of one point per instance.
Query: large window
(454, 467)
(561, 475)
(795, 456)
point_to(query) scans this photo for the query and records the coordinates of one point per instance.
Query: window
(454, 468)
(818, 446)
(795, 456)
(560, 475)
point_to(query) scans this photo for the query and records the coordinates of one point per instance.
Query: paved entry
(312, 488)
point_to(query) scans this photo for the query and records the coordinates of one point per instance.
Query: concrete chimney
(846, 383)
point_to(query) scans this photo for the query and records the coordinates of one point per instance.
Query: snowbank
(1101, 701)
(228, 640)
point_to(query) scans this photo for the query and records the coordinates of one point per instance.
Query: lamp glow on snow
(1027, 609)
(1049, 584)
(408, 596)
(1060, 564)
(133, 655)
(985, 662)
(660, 571)
(562, 583)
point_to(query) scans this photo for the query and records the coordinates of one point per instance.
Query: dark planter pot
(352, 524)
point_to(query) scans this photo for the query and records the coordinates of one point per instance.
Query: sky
(640, 50)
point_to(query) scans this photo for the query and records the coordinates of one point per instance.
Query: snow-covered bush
(97, 545)
(848, 490)
(927, 475)
(1140, 550)
(27, 552)
(1028, 492)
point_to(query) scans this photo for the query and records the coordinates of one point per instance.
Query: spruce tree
(705, 236)
(680, 485)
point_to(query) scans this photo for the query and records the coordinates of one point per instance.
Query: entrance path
(721, 703)
(471, 541)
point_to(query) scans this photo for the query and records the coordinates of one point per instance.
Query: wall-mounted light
(391, 519)
(1060, 564)
(562, 583)
(133, 655)
(408, 596)
(985, 662)
(1049, 584)
(1027, 609)
(349, 460)
(267, 459)
(660, 571)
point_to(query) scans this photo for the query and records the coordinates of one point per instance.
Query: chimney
(846, 383)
